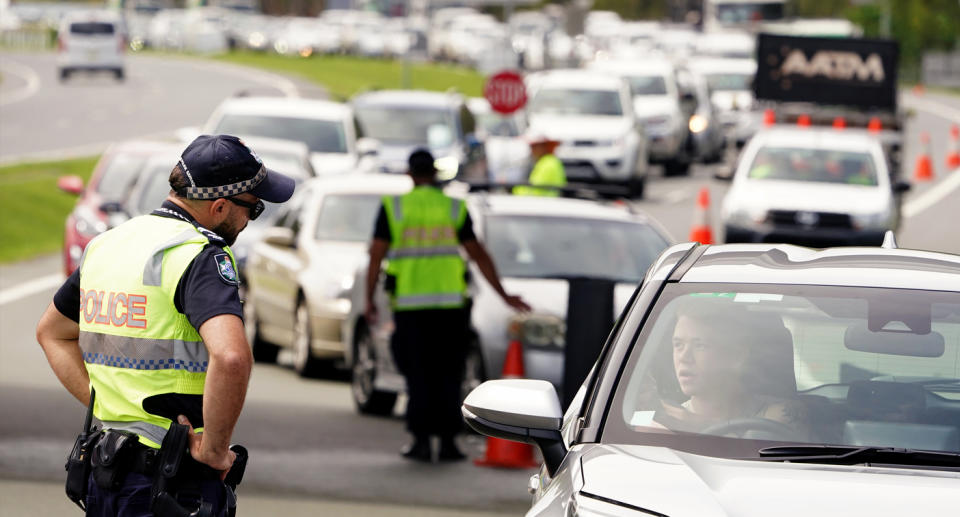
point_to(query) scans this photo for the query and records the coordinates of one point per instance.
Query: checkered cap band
(225, 190)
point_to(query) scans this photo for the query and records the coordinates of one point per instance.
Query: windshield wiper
(855, 454)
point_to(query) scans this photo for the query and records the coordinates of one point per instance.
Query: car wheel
(676, 167)
(635, 187)
(64, 74)
(367, 398)
(263, 352)
(304, 363)
(118, 73)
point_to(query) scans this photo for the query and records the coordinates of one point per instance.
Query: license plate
(579, 171)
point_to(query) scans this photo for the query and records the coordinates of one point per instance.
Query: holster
(78, 467)
(110, 458)
(172, 451)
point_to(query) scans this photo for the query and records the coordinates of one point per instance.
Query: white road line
(28, 90)
(287, 87)
(933, 107)
(932, 196)
(30, 288)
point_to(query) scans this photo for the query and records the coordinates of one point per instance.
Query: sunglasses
(255, 208)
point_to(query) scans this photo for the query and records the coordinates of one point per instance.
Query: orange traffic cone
(769, 117)
(500, 452)
(923, 170)
(700, 231)
(803, 120)
(874, 126)
(839, 123)
(953, 157)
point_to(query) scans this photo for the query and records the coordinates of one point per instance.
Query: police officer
(547, 168)
(152, 321)
(422, 231)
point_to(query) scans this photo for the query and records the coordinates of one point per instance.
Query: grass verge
(35, 207)
(344, 76)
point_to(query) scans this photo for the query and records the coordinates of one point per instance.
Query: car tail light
(121, 44)
(61, 46)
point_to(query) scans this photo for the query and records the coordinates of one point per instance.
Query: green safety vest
(548, 171)
(424, 252)
(135, 343)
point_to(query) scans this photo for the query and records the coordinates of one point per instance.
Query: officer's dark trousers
(133, 498)
(429, 347)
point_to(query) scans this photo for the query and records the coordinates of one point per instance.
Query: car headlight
(88, 222)
(867, 221)
(747, 216)
(698, 124)
(538, 330)
(338, 288)
(447, 167)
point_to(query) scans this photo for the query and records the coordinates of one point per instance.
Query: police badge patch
(225, 267)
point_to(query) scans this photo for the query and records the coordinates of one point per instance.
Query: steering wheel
(740, 426)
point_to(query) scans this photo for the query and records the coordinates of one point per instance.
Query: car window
(118, 176)
(494, 124)
(551, 247)
(467, 122)
(577, 102)
(647, 85)
(92, 28)
(413, 125)
(800, 364)
(153, 186)
(347, 218)
(729, 82)
(321, 136)
(815, 165)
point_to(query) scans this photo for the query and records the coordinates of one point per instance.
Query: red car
(101, 203)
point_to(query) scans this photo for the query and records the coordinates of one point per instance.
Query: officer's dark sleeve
(381, 230)
(465, 233)
(67, 299)
(205, 291)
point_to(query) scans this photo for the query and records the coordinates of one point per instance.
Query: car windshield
(551, 247)
(498, 125)
(577, 102)
(346, 217)
(321, 136)
(410, 125)
(284, 163)
(647, 85)
(155, 186)
(816, 165)
(729, 82)
(719, 369)
(118, 176)
(92, 28)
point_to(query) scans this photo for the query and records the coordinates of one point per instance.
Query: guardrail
(27, 39)
(941, 69)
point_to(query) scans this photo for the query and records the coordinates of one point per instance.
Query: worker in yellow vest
(547, 169)
(149, 327)
(421, 234)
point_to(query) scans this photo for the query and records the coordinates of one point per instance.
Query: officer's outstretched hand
(218, 461)
(517, 303)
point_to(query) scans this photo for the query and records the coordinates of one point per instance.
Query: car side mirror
(279, 236)
(519, 410)
(900, 187)
(367, 146)
(70, 184)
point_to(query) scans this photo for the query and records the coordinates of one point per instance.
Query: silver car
(537, 244)
(301, 274)
(755, 380)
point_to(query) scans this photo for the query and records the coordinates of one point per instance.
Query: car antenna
(889, 241)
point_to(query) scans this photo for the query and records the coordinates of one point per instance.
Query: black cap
(223, 166)
(421, 163)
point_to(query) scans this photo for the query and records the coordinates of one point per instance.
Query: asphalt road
(309, 449)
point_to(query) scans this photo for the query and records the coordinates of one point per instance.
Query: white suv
(592, 116)
(92, 41)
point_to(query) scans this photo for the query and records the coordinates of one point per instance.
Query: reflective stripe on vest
(135, 343)
(424, 252)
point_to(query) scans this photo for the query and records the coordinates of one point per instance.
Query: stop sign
(505, 92)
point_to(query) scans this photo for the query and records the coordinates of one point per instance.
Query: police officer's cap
(222, 166)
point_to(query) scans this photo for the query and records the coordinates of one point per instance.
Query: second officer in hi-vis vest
(422, 231)
(149, 330)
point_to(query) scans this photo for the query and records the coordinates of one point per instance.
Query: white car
(91, 41)
(326, 127)
(757, 380)
(301, 273)
(660, 105)
(508, 153)
(814, 187)
(538, 245)
(731, 90)
(591, 115)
